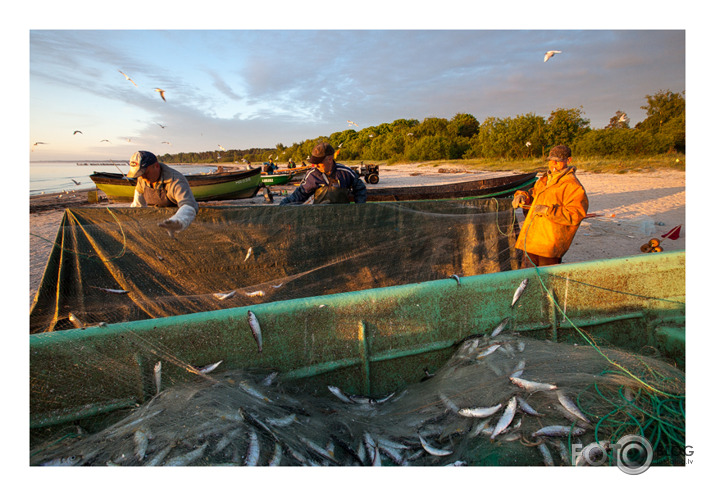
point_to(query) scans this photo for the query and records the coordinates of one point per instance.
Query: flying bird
(80, 132)
(161, 92)
(528, 143)
(39, 143)
(76, 182)
(221, 147)
(550, 54)
(622, 118)
(351, 123)
(104, 141)
(160, 125)
(166, 143)
(128, 78)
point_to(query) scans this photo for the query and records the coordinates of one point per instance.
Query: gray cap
(139, 162)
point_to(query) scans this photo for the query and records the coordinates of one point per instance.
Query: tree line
(464, 137)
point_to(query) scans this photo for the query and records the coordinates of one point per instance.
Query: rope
(589, 340)
(91, 255)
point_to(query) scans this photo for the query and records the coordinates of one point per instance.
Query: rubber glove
(179, 221)
(519, 199)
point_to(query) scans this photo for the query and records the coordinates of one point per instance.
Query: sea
(60, 176)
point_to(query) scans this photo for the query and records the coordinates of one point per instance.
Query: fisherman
(329, 182)
(554, 209)
(161, 186)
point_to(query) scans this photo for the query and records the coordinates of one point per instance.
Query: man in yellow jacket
(554, 209)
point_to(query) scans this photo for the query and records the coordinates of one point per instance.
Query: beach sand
(630, 209)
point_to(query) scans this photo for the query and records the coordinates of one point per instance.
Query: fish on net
(504, 399)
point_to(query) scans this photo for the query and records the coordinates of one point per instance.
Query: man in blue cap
(161, 186)
(329, 182)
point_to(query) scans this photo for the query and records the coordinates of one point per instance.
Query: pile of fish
(501, 399)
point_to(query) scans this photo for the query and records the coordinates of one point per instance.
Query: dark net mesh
(116, 265)
(472, 411)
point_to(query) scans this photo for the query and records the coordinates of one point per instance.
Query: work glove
(519, 199)
(540, 209)
(179, 221)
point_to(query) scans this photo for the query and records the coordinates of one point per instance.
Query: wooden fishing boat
(276, 179)
(367, 342)
(495, 187)
(205, 187)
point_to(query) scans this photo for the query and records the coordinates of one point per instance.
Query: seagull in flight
(161, 92)
(128, 78)
(104, 141)
(351, 123)
(39, 143)
(550, 54)
(76, 182)
(80, 132)
(166, 143)
(221, 147)
(622, 118)
(160, 125)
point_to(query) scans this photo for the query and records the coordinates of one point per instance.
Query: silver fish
(479, 412)
(268, 380)
(431, 449)
(256, 330)
(339, 394)
(519, 291)
(224, 296)
(519, 369)
(531, 386)
(546, 454)
(251, 294)
(500, 327)
(246, 387)
(141, 443)
(75, 321)
(558, 431)
(157, 376)
(248, 254)
(159, 457)
(526, 408)
(253, 451)
(114, 291)
(324, 453)
(489, 350)
(456, 278)
(210, 368)
(227, 439)
(187, 458)
(66, 461)
(451, 405)
(476, 430)
(356, 398)
(571, 406)
(506, 418)
(277, 456)
(283, 421)
(276, 285)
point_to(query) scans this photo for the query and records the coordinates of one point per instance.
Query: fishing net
(255, 417)
(116, 265)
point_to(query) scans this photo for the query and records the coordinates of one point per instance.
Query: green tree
(565, 125)
(464, 125)
(665, 118)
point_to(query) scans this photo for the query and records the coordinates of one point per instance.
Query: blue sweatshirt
(347, 178)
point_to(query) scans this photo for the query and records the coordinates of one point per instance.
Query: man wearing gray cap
(161, 186)
(554, 209)
(329, 182)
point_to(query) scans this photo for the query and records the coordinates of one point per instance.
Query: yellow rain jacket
(550, 234)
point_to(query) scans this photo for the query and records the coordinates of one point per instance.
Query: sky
(243, 88)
